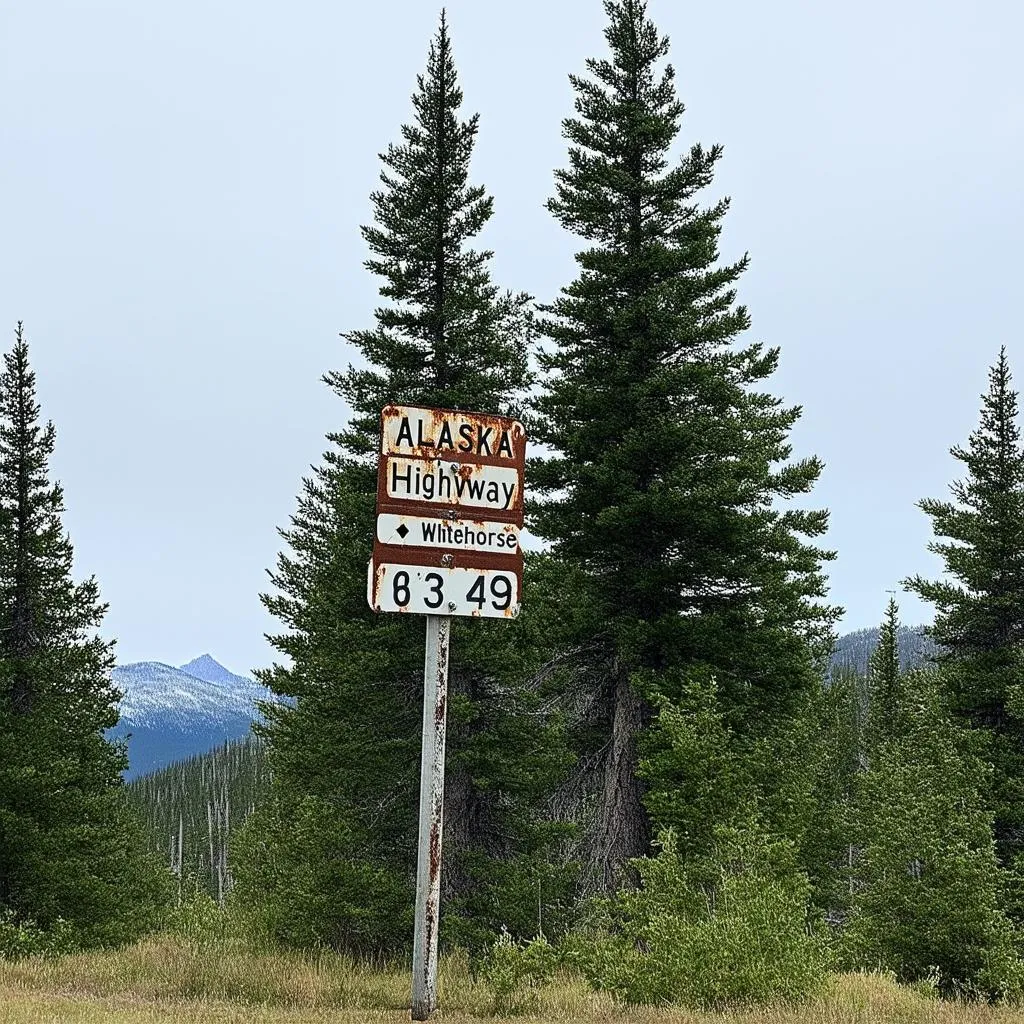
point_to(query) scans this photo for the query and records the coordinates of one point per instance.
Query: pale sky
(181, 189)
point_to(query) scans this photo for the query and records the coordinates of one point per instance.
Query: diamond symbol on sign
(403, 531)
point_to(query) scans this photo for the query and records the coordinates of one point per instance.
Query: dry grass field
(169, 979)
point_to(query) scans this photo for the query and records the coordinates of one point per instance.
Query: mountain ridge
(169, 714)
(853, 650)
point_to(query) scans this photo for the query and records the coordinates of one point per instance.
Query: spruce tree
(979, 605)
(333, 855)
(69, 846)
(668, 466)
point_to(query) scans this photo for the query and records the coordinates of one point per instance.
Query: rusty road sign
(449, 512)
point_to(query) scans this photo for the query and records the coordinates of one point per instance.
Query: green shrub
(514, 970)
(19, 939)
(198, 918)
(730, 930)
(302, 879)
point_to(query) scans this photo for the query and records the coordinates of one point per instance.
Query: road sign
(449, 511)
(438, 531)
(449, 507)
(451, 482)
(484, 593)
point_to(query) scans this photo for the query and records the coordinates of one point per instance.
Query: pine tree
(979, 620)
(667, 465)
(69, 847)
(335, 849)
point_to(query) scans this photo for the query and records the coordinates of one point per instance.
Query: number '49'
(501, 591)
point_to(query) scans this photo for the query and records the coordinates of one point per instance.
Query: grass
(168, 978)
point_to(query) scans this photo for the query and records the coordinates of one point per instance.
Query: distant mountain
(854, 650)
(170, 714)
(204, 667)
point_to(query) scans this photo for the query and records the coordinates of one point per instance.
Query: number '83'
(498, 593)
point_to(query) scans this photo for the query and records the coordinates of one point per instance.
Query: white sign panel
(450, 534)
(425, 590)
(409, 430)
(435, 481)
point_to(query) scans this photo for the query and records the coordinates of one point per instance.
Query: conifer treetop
(649, 403)
(884, 672)
(983, 527)
(48, 609)
(446, 338)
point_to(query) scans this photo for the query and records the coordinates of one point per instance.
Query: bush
(731, 930)
(19, 939)
(301, 879)
(515, 970)
(198, 919)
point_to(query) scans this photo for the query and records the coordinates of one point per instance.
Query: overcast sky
(181, 189)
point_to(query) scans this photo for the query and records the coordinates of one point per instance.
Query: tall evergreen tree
(69, 846)
(335, 850)
(668, 466)
(979, 620)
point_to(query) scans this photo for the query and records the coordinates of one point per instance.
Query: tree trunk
(623, 831)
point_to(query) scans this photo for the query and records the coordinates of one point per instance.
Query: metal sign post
(428, 855)
(449, 511)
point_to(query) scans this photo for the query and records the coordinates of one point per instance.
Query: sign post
(428, 851)
(449, 512)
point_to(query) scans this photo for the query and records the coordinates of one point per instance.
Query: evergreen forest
(189, 809)
(663, 777)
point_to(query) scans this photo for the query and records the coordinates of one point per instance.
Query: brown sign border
(441, 556)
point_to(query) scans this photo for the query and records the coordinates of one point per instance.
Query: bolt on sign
(449, 512)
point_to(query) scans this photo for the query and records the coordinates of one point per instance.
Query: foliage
(71, 849)
(722, 914)
(668, 466)
(317, 893)
(700, 772)
(732, 930)
(24, 938)
(852, 651)
(332, 856)
(884, 678)
(515, 969)
(928, 889)
(192, 807)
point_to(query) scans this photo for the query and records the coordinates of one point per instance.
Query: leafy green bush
(514, 970)
(198, 918)
(19, 939)
(730, 930)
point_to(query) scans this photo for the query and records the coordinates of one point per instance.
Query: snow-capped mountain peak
(211, 670)
(171, 713)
